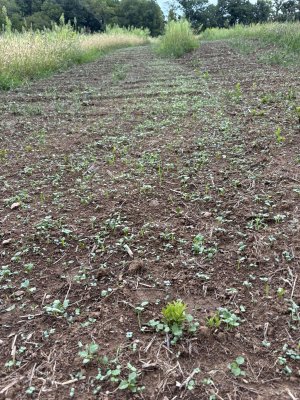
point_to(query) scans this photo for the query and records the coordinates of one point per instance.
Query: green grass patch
(177, 40)
(280, 40)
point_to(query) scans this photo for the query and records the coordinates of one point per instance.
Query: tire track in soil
(136, 150)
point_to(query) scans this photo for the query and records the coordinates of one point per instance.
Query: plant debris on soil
(132, 182)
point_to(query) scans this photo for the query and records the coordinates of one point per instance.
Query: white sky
(164, 5)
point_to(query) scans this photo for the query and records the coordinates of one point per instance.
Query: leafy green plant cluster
(175, 321)
(174, 313)
(289, 354)
(89, 352)
(236, 367)
(130, 382)
(57, 308)
(199, 247)
(111, 370)
(223, 316)
(279, 138)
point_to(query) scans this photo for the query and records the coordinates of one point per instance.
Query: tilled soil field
(134, 181)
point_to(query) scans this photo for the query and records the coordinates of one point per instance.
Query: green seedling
(130, 382)
(174, 313)
(237, 91)
(279, 138)
(223, 316)
(28, 267)
(281, 292)
(199, 247)
(279, 218)
(175, 321)
(139, 309)
(89, 353)
(30, 390)
(229, 318)
(119, 73)
(57, 308)
(26, 285)
(3, 154)
(235, 366)
(294, 309)
(267, 99)
(258, 113)
(205, 75)
(291, 95)
(298, 113)
(214, 321)
(111, 374)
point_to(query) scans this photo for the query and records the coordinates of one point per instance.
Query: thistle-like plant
(175, 321)
(174, 313)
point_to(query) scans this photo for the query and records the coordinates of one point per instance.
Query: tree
(210, 16)
(52, 10)
(231, 12)
(10, 9)
(105, 11)
(141, 14)
(262, 11)
(172, 16)
(78, 10)
(288, 10)
(194, 11)
(38, 20)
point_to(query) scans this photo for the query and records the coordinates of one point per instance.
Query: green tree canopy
(95, 15)
(141, 14)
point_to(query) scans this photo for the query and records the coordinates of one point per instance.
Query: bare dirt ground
(134, 181)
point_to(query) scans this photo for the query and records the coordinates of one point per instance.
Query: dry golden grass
(24, 56)
(101, 42)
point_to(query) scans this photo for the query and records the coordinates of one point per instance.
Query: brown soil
(108, 172)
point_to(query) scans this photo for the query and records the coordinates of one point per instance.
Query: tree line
(226, 13)
(95, 15)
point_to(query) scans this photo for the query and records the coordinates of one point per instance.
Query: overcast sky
(164, 5)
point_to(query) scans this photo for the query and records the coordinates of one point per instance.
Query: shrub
(177, 40)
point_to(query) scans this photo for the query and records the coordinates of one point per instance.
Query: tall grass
(177, 39)
(284, 35)
(113, 38)
(29, 55)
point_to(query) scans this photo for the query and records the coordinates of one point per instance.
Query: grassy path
(133, 181)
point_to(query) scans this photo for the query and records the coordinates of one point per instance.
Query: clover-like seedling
(235, 366)
(131, 382)
(223, 316)
(198, 244)
(57, 308)
(89, 352)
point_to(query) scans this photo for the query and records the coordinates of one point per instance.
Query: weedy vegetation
(149, 213)
(177, 40)
(280, 41)
(33, 54)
